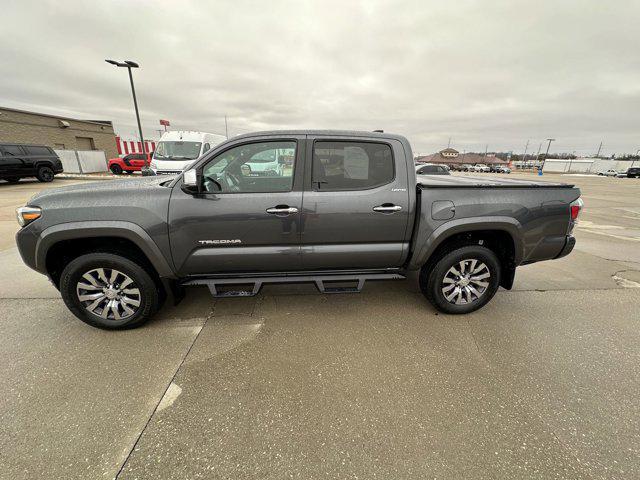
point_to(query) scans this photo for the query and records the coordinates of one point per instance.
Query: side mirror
(190, 182)
(245, 169)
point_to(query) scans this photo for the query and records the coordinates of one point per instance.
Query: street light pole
(135, 105)
(128, 64)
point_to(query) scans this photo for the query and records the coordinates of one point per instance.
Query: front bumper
(27, 242)
(569, 243)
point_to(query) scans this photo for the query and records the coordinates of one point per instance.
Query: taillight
(576, 208)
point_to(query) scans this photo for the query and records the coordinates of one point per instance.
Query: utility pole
(524, 155)
(538, 155)
(599, 148)
(486, 149)
(449, 144)
(226, 128)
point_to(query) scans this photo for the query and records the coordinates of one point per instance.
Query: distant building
(451, 156)
(57, 132)
(449, 153)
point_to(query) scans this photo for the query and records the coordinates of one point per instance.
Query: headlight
(26, 215)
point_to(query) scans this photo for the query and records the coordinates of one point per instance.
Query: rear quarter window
(38, 151)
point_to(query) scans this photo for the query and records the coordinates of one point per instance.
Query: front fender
(91, 229)
(423, 251)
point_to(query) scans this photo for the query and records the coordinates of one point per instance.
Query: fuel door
(443, 210)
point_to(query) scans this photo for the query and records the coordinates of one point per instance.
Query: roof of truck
(330, 133)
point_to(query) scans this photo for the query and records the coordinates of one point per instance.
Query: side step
(250, 286)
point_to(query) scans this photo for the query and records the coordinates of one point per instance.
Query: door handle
(387, 208)
(282, 210)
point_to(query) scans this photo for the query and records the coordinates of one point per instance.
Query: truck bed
(453, 181)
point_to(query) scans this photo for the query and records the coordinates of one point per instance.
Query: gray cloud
(482, 72)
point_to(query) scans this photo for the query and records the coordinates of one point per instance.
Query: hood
(100, 188)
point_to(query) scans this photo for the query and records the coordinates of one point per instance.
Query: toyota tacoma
(334, 208)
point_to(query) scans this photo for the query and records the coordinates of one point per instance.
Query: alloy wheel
(465, 282)
(108, 293)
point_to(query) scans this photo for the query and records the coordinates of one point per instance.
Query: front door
(247, 218)
(356, 204)
(12, 161)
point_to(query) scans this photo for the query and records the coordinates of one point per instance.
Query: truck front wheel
(462, 280)
(108, 291)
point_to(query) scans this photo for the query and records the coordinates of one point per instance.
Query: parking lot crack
(168, 396)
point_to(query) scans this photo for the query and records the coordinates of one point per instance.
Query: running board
(217, 286)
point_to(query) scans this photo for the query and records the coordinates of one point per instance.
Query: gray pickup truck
(334, 208)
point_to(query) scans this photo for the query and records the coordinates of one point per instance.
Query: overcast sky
(481, 72)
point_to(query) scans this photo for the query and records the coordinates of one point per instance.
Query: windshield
(177, 150)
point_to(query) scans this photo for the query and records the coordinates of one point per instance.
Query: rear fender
(423, 251)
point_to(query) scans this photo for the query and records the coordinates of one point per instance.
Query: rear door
(356, 204)
(244, 220)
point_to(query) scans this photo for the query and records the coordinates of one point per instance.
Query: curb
(71, 176)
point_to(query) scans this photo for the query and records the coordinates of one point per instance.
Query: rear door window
(12, 150)
(347, 165)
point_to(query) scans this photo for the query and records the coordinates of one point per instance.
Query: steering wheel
(231, 181)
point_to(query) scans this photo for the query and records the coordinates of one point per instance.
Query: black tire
(45, 174)
(116, 169)
(72, 275)
(432, 279)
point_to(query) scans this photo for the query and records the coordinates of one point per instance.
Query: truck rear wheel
(45, 174)
(109, 291)
(462, 280)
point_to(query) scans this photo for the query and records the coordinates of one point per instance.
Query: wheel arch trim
(100, 228)
(446, 230)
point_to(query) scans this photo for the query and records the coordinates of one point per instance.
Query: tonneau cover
(453, 181)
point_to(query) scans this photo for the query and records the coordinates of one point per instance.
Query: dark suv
(20, 161)
(633, 172)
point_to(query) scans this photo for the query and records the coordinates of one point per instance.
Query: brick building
(19, 126)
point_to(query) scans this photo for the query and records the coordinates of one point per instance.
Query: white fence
(587, 165)
(83, 161)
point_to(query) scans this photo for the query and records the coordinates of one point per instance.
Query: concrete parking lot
(541, 383)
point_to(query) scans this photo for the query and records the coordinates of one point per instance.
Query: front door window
(252, 168)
